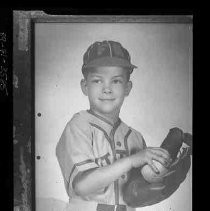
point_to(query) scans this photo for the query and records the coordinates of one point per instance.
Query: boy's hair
(107, 53)
(88, 70)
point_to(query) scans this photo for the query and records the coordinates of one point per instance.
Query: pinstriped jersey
(90, 141)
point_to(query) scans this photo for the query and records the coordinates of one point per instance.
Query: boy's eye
(96, 81)
(116, 81)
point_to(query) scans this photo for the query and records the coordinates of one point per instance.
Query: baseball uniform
(89, 141)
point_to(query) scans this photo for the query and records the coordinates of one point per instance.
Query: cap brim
(110, 61)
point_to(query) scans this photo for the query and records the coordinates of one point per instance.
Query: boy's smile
(106, 88)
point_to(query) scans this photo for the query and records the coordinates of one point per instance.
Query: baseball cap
(107, 53)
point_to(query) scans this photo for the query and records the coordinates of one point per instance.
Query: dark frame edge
(42, 17)
(34, 17)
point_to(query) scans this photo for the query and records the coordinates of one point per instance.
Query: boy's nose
(107, 89)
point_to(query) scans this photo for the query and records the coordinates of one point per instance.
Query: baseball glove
(137, 192)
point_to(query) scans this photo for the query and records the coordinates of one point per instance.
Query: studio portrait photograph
(112, 111)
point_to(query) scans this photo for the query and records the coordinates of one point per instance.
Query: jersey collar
(115, 125)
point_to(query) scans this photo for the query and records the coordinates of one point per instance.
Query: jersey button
(119, 144)
(123, 176)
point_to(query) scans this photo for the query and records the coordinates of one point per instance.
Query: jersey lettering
(104, 160)
(121, 154)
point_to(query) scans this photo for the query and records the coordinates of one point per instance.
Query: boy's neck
(112, 118)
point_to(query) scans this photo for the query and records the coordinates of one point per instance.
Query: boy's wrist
(129, 162)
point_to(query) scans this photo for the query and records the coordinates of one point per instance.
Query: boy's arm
(90, 181)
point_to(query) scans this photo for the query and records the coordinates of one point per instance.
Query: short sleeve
(138, 143)
(74, 151)
(141, 140)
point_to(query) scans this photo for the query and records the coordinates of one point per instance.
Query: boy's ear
(83, 84)
(128, 88)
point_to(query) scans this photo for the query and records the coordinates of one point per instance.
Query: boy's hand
(146, 156)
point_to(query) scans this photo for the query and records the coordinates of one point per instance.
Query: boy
(97, 149)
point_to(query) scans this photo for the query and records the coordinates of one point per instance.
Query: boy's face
(106, 88)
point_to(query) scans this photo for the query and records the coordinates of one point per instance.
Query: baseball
(152, 177)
